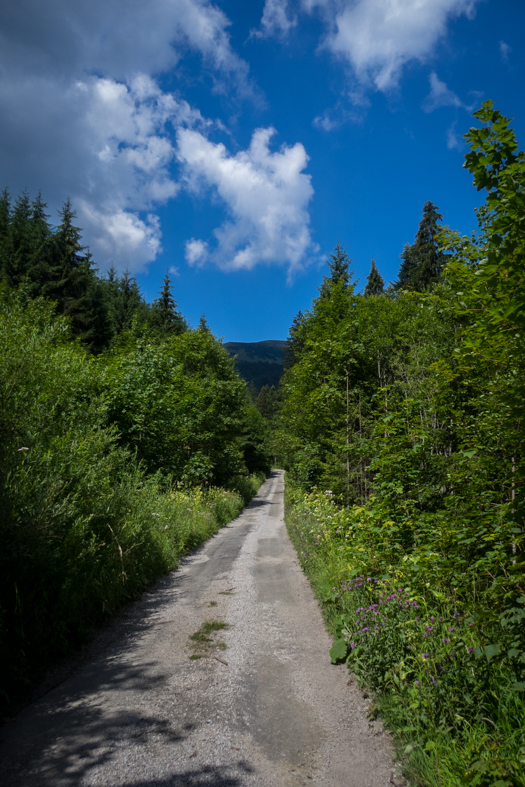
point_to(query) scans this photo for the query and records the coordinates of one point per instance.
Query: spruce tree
(294, 342)
(5, 225)
(422, 263)
(375, 282)
(339, 273)
(18, 245)
(71, 275)
(103, 328)
(338, 264)
(165, 316)
(124, 300)
(203, 324)
(41, 246)
(407, 270)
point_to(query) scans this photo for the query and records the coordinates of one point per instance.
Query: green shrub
(82, 526)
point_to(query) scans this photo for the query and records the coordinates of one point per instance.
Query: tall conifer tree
(294, 342)
(18, 247)
(40, 246)
(71, 275)
(338, 263)
(375, 282)
(165, 315)
(5, 224)
(125, 299)
(422, 263)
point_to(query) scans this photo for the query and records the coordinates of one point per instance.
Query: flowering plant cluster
(441, 667)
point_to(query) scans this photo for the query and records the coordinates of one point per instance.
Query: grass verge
(444, 680)
(70, 581)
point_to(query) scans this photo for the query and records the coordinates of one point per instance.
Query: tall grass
(447, 678)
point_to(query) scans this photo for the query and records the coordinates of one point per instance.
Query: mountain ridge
(259, 363)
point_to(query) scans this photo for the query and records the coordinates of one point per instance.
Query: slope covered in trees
(259, 363)
(402, 433)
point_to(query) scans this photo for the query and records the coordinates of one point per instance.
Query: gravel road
(262, 706)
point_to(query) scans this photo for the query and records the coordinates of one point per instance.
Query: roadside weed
(448, 676)
(203, 642)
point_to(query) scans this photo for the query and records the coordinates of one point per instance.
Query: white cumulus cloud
(378, 37)
(120, 236)
(266, 194)
(196, 252)
(82, 114)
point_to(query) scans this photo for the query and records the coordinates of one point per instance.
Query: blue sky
(234, 143)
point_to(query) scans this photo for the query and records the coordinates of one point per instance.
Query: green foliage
(422, 263)
(90, 510)
(178, 403)
(375, 283)
(402, 428)
(448, 677)
(164, 315)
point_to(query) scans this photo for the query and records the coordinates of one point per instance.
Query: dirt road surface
(266, 710)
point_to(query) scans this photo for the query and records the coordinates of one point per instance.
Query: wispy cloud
(196, 252)
(266, 194)
(276, 20)
(336, 116)
(453, 141)
(504, 50)
(441, 96)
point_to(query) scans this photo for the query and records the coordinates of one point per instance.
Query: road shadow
(66, 741)
(258, 504)
(203, 777)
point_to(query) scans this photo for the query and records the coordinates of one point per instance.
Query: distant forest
(259, 363)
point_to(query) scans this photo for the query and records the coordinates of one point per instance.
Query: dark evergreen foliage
(422, 263)
(71, 275)
(267, 401)
(294, 343)
(338, 264)
(375, 282)
(164, 314)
